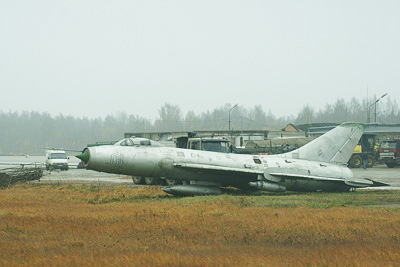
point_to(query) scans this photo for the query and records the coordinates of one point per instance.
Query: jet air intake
(85, 156)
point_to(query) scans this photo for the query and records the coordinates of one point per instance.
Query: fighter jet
(317, 166)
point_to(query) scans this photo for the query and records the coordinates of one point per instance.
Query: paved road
(381, 174)
(82, 176)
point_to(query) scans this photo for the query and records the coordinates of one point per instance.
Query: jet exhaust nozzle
(192, 190)
(266, 186)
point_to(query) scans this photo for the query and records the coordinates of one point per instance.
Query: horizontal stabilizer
(366, 181)
(358, 182)
(354, 182)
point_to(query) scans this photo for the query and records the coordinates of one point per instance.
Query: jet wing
(218, 169)
(356, 182)
(292, 175)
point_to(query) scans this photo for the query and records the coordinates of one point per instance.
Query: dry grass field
(87, 226)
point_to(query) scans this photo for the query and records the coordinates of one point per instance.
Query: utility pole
(374, 104)
(229, 121)
(368, 115)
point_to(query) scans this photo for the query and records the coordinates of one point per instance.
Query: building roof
(372, 128)
(290, 128)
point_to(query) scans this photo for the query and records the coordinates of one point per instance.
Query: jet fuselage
(316, 166)
(217, 168)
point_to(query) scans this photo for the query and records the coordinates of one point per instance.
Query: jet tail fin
(335, 146)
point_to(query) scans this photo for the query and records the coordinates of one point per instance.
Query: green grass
(90, 226)
(364, 198)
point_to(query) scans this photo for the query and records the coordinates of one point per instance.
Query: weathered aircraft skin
(318, 166)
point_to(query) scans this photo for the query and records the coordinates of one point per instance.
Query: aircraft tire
(370, 161)
(171, 182)
(138, 180)
(150, 180)
(355, 161)
(390, 165)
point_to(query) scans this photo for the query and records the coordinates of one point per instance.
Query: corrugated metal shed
(295, 142)
(378, 129)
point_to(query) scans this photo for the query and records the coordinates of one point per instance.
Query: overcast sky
(94, 58)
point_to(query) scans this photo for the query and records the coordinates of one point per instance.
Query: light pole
(230, 119)
(376, 101)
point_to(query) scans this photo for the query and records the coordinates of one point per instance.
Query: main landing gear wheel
(150, 180)
(138, 180)
(171, 182)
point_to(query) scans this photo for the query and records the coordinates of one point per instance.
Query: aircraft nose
(85, 156)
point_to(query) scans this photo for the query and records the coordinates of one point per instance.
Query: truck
(216, 144)
(365, 144)
(273, 146)
(389, 152)
(56, 159)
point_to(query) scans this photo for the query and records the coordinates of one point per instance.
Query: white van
(56, 159)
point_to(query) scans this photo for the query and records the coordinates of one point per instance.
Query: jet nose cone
(84, 156)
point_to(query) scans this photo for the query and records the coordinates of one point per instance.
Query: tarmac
(379, 173)
(86, 177)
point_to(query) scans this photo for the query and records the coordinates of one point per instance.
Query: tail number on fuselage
(117, 160)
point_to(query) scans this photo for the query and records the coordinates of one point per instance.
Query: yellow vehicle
(367, 144)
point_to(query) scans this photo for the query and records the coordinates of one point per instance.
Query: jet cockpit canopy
(136, 141)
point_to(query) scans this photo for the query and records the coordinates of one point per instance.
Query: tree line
(30, 132)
